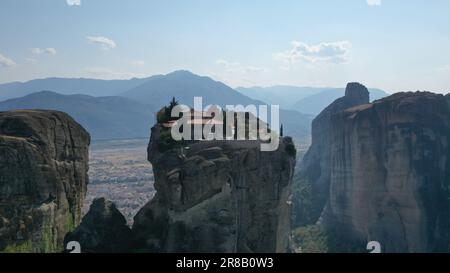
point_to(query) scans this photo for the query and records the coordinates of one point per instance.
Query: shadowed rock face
(315, 167)
(43, 178)
(389, 174)
(217, 196)
(102, 230)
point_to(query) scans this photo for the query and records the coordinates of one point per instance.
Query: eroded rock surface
(43, 179)
(390, 173)
(217, 196)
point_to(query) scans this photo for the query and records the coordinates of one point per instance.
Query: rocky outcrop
(217, 196)
(315, 169)
(103, 230)
(43, 178)
(389, 173)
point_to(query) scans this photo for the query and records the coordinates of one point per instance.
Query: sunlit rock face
(43, 179)
(389, 174)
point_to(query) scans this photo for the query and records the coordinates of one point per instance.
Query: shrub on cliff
(291, 150)
(165, 141)
(310, 239)
(318, 239)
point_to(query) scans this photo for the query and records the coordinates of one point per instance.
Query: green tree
(173, 103)
(168, 110)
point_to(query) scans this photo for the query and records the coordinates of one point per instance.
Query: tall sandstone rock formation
(390, 174)
(102, 230)
(315, 167)
(43, 178)
(218, 196)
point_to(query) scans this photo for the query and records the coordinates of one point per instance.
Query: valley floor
(120, 172)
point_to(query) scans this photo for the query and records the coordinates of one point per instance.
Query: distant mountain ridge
(314, 104)
(133, 112)
(308, 100)
(104, 117)
(158, 89)
(184, 85)
(129, 103)
(68, 86)
(283, 95)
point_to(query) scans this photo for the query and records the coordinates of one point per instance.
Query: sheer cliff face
(390, 173)
(218, 196)
(43, 178)
(315, 167)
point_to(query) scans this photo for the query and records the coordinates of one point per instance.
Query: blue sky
(397, 45)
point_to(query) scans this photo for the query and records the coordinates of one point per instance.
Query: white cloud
(50, 51)
(109, 74)
(333, 52)
(137, 63)
(39, 51)
(104, 42)
(73, 2)
(373, 2)
(6, 62)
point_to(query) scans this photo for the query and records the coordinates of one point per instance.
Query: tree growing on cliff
(173, 103)
(165, 114)
(169, 109)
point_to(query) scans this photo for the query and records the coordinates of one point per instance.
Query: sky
(395, 45)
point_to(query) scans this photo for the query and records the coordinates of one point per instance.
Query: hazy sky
(396, 45)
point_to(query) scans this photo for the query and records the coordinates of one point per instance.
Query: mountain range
(308, 100)
(184, 86)
(103, 117)
(131, 112)
(68, 86)
(283, 95)
(126, 108)
(314, 104)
